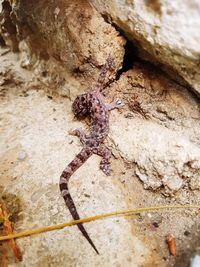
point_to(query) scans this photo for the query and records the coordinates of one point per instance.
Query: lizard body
(90, 104)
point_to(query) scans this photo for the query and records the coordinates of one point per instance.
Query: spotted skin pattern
(90, 104)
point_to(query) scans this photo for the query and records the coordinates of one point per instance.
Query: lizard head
(79, 107)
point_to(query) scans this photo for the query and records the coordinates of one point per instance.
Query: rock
(7, 27)
(164, 32)
(161, 156)
(161, 137)
(174, 183)
(73, 33)
(195, 181)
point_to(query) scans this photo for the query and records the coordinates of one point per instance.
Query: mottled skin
(90, 104)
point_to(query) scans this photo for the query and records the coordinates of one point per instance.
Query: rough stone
(195, 182)
(161, 155)
(71, 32)
(160, 135)
(165, 32)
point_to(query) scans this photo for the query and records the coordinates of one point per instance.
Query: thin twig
(93, 218)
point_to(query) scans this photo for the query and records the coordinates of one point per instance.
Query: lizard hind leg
(105, 153)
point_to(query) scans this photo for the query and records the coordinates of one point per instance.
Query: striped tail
(64, 179)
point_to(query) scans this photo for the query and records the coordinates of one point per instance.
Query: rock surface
(166, 147)
(73, 33)
(35, 149)
(154, 140)
(164, 32)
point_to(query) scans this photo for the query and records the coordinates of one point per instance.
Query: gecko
(90, 105)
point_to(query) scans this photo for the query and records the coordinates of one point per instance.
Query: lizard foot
(105, 166)
(117, 103)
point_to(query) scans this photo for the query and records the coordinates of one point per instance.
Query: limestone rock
(161, 156)
(195, 182)
(159, 130)
(164, 31)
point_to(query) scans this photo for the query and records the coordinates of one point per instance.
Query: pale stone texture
(164, 31)
(162, 156)
(161, 135)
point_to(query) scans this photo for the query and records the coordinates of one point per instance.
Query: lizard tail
(64, 179)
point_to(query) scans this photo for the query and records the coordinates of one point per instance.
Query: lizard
(90, 104)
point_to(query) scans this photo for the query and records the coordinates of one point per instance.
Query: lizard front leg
(117, 103)
(79, 133)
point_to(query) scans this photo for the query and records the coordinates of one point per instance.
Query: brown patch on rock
(154, 6)
(71, 32)
(7, 27)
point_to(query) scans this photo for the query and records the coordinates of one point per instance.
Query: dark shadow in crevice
(130, 56)
(131, 51)
(2, 42)
(8, 28)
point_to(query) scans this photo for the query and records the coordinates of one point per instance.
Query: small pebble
(21, 155)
